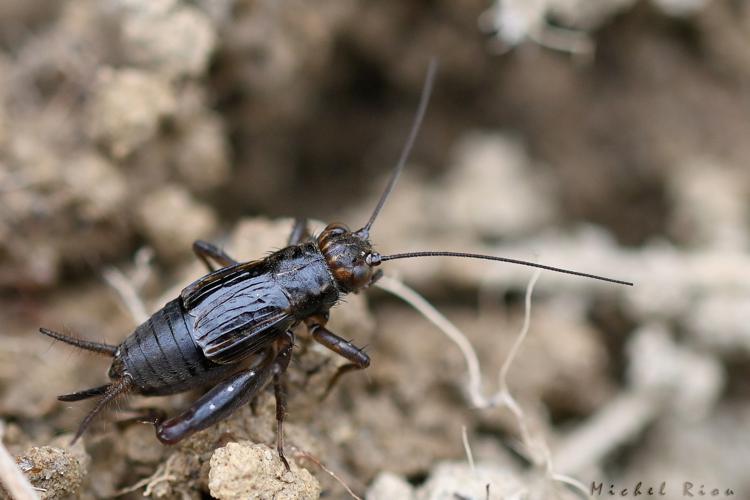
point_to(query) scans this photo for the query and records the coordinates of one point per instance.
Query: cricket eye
(331, 232)
(373, 259)
(360, 276)
(335, 228)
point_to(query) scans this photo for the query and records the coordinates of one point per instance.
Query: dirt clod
(172, 219)
(56, 473)
(127, 108)
(246, 470)
(603, 136)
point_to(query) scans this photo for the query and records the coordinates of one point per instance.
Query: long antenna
(421, 110)
(382, 258)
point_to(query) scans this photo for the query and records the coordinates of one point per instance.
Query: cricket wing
(204, 287)
(236, 312)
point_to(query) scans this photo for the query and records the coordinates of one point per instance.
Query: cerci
(232, 329)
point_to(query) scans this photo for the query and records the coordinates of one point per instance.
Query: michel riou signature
(687, 489)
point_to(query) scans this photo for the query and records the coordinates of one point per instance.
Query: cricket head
(349, 256)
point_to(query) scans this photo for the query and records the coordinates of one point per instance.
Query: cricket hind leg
(208, 252)
(113, 390)
(358, 359)
(97, 347)
(214, 406)
(224, 398)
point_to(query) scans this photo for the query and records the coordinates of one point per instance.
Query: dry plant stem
(538, 452)
(13, 479)
(563, 40)
(577, 486)
(127, 293)
(328, 471)
(611, 427)
(469, 454)
(162, 474)
(504, 397)
(474, 387)
(503, 375)
(140, 275)
(544, 456)
(418, 302)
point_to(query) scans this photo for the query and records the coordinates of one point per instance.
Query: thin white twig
(615, 424)
(127, 293)
(467, 447)
(504, 398)
(537, 451)
(162, 474)
(399, 289)
(143, 258)
(316, 461)
(503, 375)
(474, 387)
(577, 486)
(14, 480)
(562, 40)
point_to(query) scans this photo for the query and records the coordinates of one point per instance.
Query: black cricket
(232, 329)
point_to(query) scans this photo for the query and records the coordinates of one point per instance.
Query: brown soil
(129, 129)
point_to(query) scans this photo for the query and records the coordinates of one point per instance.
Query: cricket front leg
(208, 252)
(356, 356)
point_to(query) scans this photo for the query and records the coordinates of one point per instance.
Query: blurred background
(607, 136)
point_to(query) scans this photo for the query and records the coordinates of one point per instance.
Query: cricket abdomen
(162, 358)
